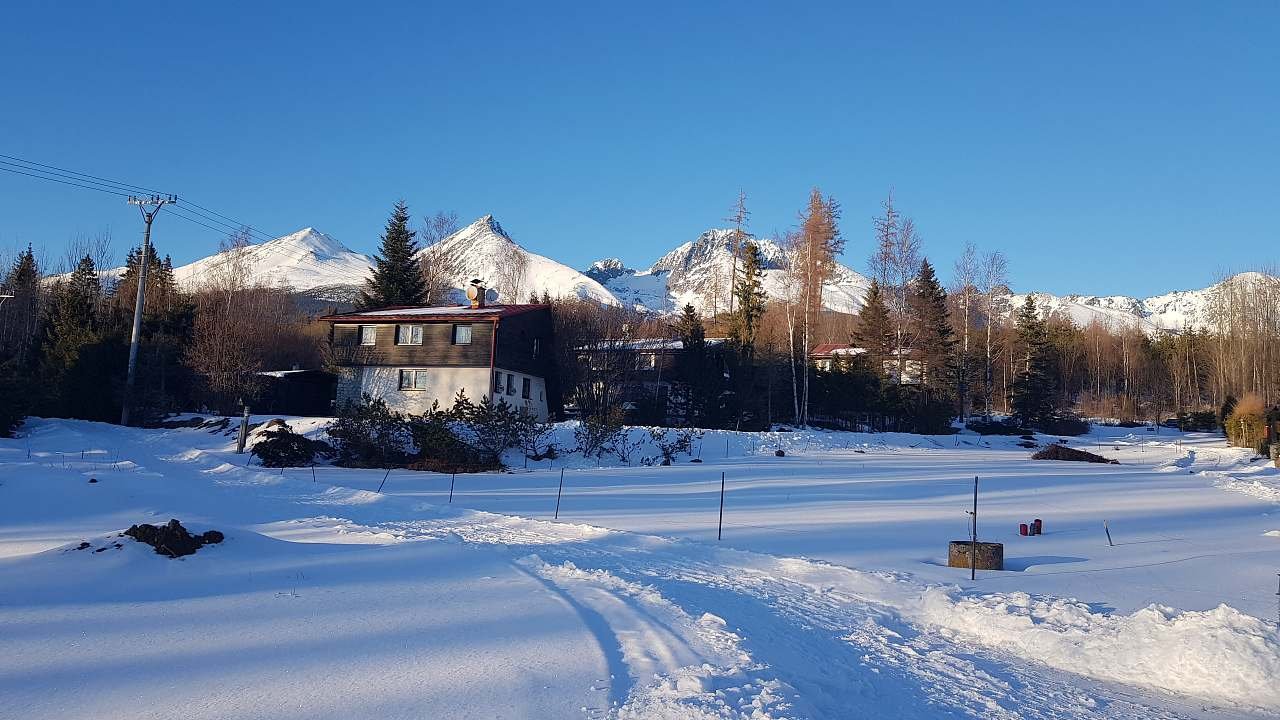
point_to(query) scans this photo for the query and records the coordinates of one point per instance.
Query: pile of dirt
(1062, 452)
(172, 539)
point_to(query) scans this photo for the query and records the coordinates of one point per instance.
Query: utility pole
(150, 207)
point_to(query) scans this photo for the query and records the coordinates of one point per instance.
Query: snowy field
(828, 596)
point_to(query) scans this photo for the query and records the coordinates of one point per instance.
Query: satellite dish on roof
(475, 293)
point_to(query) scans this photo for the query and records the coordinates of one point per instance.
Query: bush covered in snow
(369, 433)
(282, 447)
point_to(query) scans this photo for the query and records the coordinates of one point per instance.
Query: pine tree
(20, 316)
(694, 367)
(1033, 384)
(161, 286)
(935, 340)
(874, 331)
(25, 273)
(397, 277)
(73, 387)
(750, 300)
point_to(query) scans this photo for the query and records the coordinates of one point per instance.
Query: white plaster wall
(537, 402)
(443, 385)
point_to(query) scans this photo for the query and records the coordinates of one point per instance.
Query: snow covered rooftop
(644, 345)
(826, 349)
(427, 314)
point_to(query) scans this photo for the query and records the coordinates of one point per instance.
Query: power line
(194, 213)
(84, 175)
(64, 182)
(96, 182)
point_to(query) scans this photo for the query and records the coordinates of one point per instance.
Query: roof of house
(826, 349)
(443, 313)
(644, 345)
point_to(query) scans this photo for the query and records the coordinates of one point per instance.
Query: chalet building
(643, 373)
(412, 357)
(828, 356)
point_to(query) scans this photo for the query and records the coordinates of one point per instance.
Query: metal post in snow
(559, 493)
(973, 549)
(384, 479)
(244, 431)
(313, 471)
(1107, 530)
(452, 480)
(720, 527)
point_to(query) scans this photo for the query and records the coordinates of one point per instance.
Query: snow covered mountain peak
(312, 241)
(607, 269)
(483, 250)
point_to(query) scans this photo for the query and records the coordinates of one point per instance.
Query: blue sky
(1108, 148)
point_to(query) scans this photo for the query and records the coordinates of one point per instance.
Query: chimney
(475, 293)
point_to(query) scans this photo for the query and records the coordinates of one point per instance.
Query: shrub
(536, 442)
(1198, 421)
(491, 428)
(439, 446)
(1246, 426)
(369, 433)
(1062, 452)
(1064, 424)
(625, 446)
(672, 443)
(282, 447)
(996, 427)
(595, 436)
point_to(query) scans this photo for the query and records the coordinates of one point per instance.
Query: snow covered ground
(828, 596)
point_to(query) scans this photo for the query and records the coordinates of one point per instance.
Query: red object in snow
(1039, 526)
(1022, 529)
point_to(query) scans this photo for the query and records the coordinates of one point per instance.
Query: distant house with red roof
(412, 357)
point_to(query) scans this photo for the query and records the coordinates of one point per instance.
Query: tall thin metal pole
(140, 296)
(452, 480)
(720, 527)
(558, 493)
(973, 549)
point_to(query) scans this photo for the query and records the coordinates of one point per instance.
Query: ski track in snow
(701, 631)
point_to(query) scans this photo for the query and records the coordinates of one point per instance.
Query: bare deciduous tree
(438, 272)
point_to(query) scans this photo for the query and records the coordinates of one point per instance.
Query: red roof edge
(503, 311)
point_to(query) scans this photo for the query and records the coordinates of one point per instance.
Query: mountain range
(696, 272)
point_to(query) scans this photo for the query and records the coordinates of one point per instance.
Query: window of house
(368, 335)
(537, 346)
(408, 334)
(497, 383)
(461, 334)
(526, 386)
(413, 379)
(511, 384)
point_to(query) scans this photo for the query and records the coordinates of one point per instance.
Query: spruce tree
(1033, 385)
(935, 340)
(744, 321)
(749, 299)
(397, 278)
(160, 283)
(874, 331)
(20, 318)
(72, 386)
(694, 367)
(24, 274)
